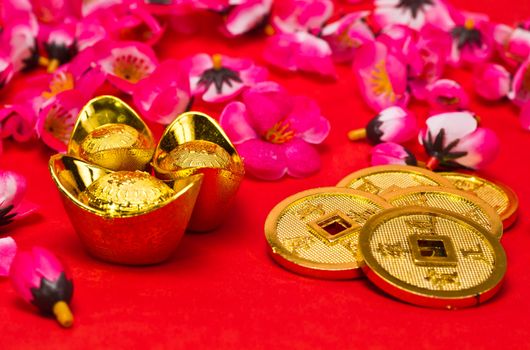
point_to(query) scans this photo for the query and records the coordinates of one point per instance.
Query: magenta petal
(46, 263)
(491, 81)
(23, 275)
(12, 189)
(247, 16)
(267, 103)
(57, 118)
(307, 121)
(302, 158)
(8, 250)
(482, 146)
(262, 159)
(447, 95)
(390, 153)
(234, 121)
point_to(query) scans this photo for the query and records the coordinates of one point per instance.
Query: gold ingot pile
(122, 210)
(431, 239)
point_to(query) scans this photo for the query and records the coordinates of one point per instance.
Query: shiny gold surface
(195, 144)
(129, 233)
(315, 232)
(450, 199)
(499, 196)
(109, 133)
(126, 192)
(383, 179)
(431, 257)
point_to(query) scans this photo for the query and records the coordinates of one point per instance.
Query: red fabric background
(222, 290)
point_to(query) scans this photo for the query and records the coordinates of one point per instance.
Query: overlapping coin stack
(430, 239)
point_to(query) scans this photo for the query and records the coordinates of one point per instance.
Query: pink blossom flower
(432, 46)
(126, 63)
(300, 51)
(17, 121)
(273, 131)
(347, 34)
(472, 39)
(8, 250)
(412, 13)
(12, 203)
(6, 69)
(513, 44)
(393, 124)
(60, 45)
(219, 78)
(381, 75)
(446, 95)
(57, 118)
(89, 31)
(246, 16)
(520, 87)
(392, 153)
(55, 11)
(454, 139)
(524, 117)
(40, 279)
(291, 16)
(19, 34)
(164, 94)
(491, 81)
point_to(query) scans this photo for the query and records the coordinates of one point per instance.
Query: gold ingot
(124, 217)
(195, 144)
(499, 196)
(450, 199)
(431, 257)
(315, 232)
(110, 134)
(383, 179)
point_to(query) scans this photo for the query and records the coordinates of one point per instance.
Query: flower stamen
(60, 82)
(280, 133)
(380, 82)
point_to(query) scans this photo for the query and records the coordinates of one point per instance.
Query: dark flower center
(467, 35)
(218, 75)
(414, 6)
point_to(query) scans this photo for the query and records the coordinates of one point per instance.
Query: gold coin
(431, 257)
(499, 196)
(383, 179)
(315, 232)
(126, 192)
(450, 199)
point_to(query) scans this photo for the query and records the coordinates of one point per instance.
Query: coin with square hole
(315, 232)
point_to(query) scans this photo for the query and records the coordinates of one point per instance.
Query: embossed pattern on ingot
(453, 200)
(381, 180)
(318, 229)
(126, 192)
(424, 254)
(194, 154)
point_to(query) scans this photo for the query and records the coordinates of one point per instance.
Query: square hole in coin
(333, 226)
(430, 250)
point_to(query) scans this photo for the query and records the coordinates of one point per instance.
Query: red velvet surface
(222, 290)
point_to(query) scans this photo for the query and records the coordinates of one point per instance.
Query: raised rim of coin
(493, 218)
(440, 180)
(303, 266)
(422, 296)
(508, 216)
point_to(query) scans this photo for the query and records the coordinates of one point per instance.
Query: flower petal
(456, 125)
(482, 146)
(267, 103)
(12, 189)
(8, 250)
(302, 158)
(263, 160)
(307, 121)
(234, 121)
